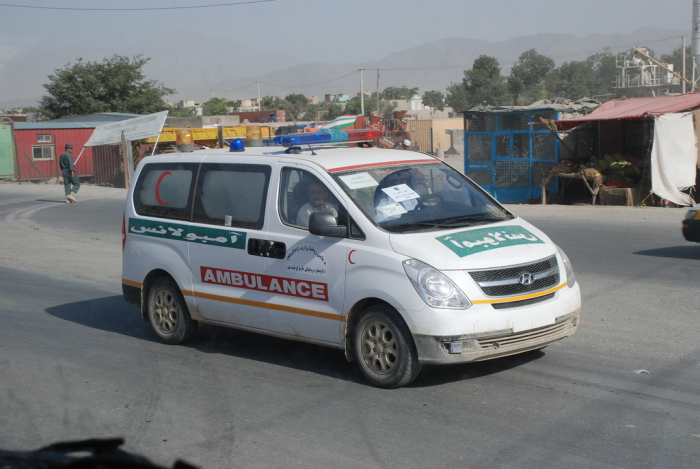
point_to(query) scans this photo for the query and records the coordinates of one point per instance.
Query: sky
(330, 31)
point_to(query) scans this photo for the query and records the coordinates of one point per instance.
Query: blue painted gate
(507, 152)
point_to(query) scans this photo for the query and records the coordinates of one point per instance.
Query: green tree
(355, 107)
(394, 92)
(484, 83)
(528, 77)
(215, 107)
(296, 105)
(181, 111)
(330, 110)
(592, 77)
(456, 97)
(117, 84)
(270, 103)
(434, 100)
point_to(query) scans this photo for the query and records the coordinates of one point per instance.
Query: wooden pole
(55, 155)
(125, 162)
(221, 137)
(14, 141)
(37, 169)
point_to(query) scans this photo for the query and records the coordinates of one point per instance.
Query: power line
(191, 7)
(310, 84)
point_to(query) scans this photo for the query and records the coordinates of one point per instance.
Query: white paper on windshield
(401, 193)
(391, 210)
(359, 181)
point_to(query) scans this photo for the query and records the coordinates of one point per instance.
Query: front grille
(504, 282)
(516, 304)
(521, 338)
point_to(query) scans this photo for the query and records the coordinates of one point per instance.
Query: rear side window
(232, 195)
(165, 190)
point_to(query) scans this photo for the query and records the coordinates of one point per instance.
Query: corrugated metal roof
(58, 125)
(89, 121)
(557, 104)
(99, 117)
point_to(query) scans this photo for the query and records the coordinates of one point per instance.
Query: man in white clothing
(318, 195)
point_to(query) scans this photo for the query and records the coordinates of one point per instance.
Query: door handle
(266, 248)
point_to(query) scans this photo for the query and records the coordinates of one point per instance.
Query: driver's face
(317, 195)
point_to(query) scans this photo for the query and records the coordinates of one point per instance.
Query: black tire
(384, 348)
(168, 313)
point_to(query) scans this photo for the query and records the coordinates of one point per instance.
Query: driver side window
(301, 194)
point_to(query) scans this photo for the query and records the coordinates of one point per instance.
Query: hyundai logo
(525, 278)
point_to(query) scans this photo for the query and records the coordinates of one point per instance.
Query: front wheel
(384, 348)
(168, 312)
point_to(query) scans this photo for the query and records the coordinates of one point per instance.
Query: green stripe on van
(192, 234)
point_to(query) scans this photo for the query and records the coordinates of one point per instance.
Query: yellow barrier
(167, 135)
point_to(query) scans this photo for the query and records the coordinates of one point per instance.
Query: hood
(505, 243)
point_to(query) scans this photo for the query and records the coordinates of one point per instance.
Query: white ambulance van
(392, 256)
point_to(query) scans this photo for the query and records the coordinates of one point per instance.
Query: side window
(232, 195)
(165, 190)
(301, 194)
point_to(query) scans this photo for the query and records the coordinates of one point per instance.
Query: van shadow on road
(675, 252)
(113, 314)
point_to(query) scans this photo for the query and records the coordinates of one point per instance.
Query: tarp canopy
(673, 157)
(133, 129)
(635, 108)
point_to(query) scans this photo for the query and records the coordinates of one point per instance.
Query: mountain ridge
(195, 65)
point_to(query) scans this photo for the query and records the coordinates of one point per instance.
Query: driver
(318, 195)
(386, 208)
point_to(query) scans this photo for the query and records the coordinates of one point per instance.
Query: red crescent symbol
(350, 256)
(160, 179)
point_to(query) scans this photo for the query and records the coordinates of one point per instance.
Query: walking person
(71, 181)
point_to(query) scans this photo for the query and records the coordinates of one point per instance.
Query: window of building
(42, 152)
(43, 138)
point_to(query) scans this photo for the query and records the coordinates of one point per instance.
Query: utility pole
(212, 94)
(377, 92)
(684, 79)
(258, 95)
(362, 94)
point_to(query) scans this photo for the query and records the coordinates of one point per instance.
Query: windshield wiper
(471, 218)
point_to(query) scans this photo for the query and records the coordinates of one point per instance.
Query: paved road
(76, 362)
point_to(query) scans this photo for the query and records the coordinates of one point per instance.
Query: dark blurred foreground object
(103, 454)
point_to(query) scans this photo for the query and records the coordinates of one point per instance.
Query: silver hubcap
(379, 347)
(166, 312)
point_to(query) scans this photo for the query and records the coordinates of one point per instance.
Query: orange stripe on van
(260, 304)
(132, 283)
(519, 298)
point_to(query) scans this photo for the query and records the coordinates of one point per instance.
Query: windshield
(401, 198)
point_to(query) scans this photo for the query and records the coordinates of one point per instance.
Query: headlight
(570, 278)
(434, 287)
(691, 214)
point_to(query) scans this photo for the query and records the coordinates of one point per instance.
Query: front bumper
(691, 230)
(435, 350)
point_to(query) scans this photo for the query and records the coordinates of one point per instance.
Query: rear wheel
(384, 348)
(168, 313)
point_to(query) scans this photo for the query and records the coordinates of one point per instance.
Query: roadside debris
(642, 372)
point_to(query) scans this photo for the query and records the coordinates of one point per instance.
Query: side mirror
(325, 224)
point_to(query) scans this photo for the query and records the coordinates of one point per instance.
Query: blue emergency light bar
(327, 136)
